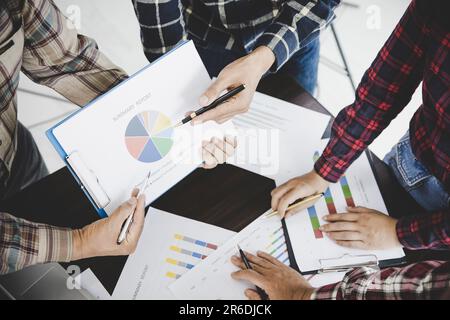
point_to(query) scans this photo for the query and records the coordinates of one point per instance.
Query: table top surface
(58, 200)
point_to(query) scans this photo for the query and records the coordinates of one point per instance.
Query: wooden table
(237, 198)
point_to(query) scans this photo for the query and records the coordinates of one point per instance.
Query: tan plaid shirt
(38, 40)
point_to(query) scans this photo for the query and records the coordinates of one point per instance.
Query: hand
(362, 228)
(300, 187)
(247, 70)
(217, 151)
(100, 237)
(279, 281)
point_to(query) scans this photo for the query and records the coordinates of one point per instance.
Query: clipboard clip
(88, 180)
(352, 261)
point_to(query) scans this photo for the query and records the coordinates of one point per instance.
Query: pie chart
(148, 136)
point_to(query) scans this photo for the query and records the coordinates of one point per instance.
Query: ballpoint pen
(247, 264)
(298, 203)
(223, 98)
(127, 223)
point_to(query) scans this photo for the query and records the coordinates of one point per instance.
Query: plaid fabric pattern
(36, 38)
(24, 243)
(417, 50)
(51, 53)
(423, 280)
(427, 231)
(239, 25)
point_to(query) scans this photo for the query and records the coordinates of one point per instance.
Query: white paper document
(170, 246)
(274, 137)
(128, 132)
(312, 249)
(212, 280)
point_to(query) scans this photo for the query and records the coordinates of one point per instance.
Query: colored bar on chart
(329, 201)
(188, 252)
(179, 263)
(196, 242)
(172, 275)
(347, 193)
(315, 222)
(277, 248)
(327, 194)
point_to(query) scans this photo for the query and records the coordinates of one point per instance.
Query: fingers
(138, 222)
(221, 113)
(352, 244)
(358, 209)
(250, 276)
(126, 209)
(287, 199)
(217, 151)
(278, 192)
(215, 89)
(237, 261)
(252, 294)
(352, 217)
(339, 226)
(345, 236)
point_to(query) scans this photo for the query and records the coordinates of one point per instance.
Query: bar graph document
(357, 187)
(211, 279)
(170, 246)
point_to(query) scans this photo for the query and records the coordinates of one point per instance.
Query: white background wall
(113, 25)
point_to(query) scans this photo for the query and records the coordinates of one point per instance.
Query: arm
(423, 280)
(162, 26)
(426, 231)
(298, 23)
(23, 243)
(55, 55)
(385, 89)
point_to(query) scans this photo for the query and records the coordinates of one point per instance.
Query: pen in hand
(126, 225)
(247, 264)
(222, 99)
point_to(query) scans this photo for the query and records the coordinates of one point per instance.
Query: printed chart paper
(357, 187)
(128, 132)
(211, 279)
(170, 246)
(274, 136)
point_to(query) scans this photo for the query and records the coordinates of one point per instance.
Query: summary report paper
(128, 132)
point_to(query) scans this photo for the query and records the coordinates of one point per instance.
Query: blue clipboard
(63, 153)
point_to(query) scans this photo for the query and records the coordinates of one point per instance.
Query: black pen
(247, 264)
(225, 97)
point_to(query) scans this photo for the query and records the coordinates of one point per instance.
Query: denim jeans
(426, 189)
(302, 66)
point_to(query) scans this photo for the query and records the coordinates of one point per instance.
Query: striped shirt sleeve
(297, 24)
(24, 243)
(55, 55)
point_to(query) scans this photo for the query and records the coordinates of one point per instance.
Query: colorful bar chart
(172, 275)
(315, 222)
(277, 247)
(188, 252)
(347, 193)
(329, 201)
(180, 263)
(196, 242)
(327, 194)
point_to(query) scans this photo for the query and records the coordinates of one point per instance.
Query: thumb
(215, 89)
(126, 208)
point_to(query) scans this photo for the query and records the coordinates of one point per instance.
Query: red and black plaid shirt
(417, 51)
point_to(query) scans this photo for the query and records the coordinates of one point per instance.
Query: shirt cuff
(327, 170)
(282, 40)
(55, 244)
